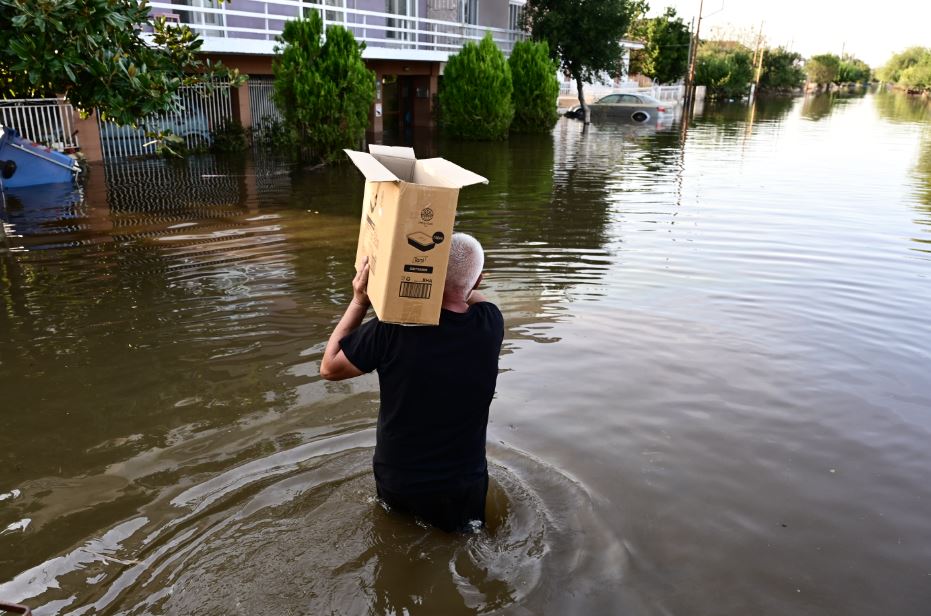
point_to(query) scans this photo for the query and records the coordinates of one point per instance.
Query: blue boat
(24, 163)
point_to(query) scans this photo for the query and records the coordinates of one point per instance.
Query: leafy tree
(853, 70)
(93, 52)
(324, 90)
(475, 102)
(917, 77)
(822, 69)
(536, 88)
(584, 35)
(781, 70)
(665, 56)
(725, 68)
(892, 71)
(910, 69)
(637, 30)
(637, 9)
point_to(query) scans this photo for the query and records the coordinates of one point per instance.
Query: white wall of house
(416, 30)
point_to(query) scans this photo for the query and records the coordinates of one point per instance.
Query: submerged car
(633, 107)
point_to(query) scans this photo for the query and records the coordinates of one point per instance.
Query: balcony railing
(263, 20)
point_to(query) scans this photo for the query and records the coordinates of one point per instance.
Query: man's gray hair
(466, 260)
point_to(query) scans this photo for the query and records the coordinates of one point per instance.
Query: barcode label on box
(416, 290)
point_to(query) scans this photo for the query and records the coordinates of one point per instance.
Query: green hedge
(475, 101)
(536, 89)
(324, 90)
(726, 69)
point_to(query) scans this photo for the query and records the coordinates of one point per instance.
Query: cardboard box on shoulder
(408, 213)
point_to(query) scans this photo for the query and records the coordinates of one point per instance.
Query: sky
(871, 31)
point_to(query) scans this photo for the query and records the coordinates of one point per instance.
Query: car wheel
(640, 116)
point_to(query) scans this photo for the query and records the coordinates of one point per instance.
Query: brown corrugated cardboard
(407, 220)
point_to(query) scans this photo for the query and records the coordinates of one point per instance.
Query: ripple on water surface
(716, 349)
(301, 532)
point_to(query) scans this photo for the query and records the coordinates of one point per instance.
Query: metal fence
(262, 104)
(202, 109)
(668, 93)
(594, 91)
(49, 121)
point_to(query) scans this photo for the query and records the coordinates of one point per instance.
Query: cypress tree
(323, 90)
(536, 88)
(475, 102)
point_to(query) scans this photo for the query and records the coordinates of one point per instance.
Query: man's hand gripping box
(408, 213)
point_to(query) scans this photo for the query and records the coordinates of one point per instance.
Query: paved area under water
(714, 395)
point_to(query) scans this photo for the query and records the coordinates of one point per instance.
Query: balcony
(250, 26)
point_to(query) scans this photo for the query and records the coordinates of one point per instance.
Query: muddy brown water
(714, 393)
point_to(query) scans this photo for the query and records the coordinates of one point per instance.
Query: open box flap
(450, 173)
(390, 150)
(400, 161)
(373, 170)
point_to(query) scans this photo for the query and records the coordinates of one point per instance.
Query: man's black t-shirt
(436, 386)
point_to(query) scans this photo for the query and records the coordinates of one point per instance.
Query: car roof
(646, 98)
(649, 99)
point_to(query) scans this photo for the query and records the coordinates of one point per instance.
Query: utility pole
(685, 80)
(690, 81)
(758, 62)
(759, 43)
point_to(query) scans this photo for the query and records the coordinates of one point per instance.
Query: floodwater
(714, 394)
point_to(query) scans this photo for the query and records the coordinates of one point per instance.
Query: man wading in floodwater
(436, 386)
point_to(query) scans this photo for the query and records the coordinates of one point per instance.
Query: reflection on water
(763, 109)
(923, 170)
(893, 107)
(914, 110)
(923, 192)
(300, 530)
(818, 106)
(713, 396)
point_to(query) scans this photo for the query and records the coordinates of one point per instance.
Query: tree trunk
(586, 112)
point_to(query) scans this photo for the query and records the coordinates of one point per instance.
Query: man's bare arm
(335, 366)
